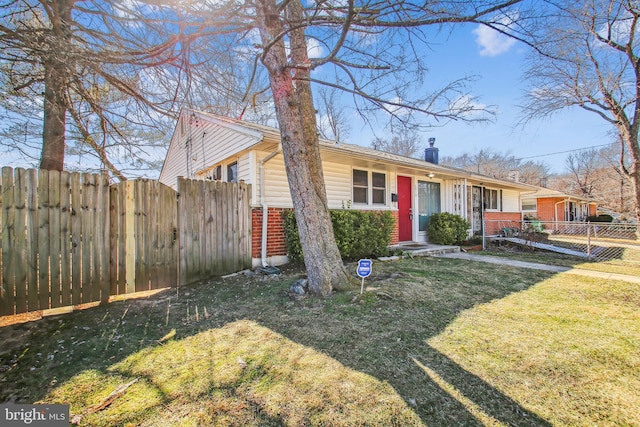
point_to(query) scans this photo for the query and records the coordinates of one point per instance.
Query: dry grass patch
(567, 349)
(240, 374)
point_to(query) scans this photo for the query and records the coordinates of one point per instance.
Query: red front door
(405, 217)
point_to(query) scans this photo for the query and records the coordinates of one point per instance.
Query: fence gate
(143, 253)
(215, 228)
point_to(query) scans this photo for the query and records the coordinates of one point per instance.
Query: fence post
(484, 235)
(130, 237)
(589, 240)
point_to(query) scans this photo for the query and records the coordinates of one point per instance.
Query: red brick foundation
(494, 221)
(276, 245)
(395, 233)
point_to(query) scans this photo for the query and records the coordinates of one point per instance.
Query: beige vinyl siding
(393, 183)
(337, 183)
(337, 178)
(275, 178)
(447, 195)
(175, 164)
(249, 174)
(244, 168)
(196, 148)
(510, 201)
(256, 157)
(216, 145)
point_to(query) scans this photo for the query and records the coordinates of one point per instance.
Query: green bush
(359, 234)
(447, 229)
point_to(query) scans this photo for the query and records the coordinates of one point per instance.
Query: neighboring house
(551, 205)
(206, 146)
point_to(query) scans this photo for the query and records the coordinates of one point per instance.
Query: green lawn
(433, 342)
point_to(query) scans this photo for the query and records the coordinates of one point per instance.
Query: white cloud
(491, 42)
(394, 106)
(314, 49)
(620, 30)
(468, 108)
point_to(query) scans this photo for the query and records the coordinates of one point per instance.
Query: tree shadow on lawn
(382, 334)
(387, 337)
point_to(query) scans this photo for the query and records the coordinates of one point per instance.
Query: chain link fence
(590, 240)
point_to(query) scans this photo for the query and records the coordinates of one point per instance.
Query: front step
(436, 250)
(424, 249)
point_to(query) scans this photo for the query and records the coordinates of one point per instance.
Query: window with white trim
(378, 188)
(369, 187)
(360, 186)
(232, 172)
(529, 205)
(216, 173)
(491, 199)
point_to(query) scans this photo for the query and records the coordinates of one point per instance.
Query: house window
(491, 199)
(369, 186)
(216, 173)
(378, 189)
(428, 202)
(232, 172)
(529, 205)
(360, 186)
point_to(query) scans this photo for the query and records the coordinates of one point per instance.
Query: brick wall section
(395, 233)
(276, 245)
(493, 228)
(546, 207)
(256, 232)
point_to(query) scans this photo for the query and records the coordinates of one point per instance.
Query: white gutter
(555, 210)
(265, 208)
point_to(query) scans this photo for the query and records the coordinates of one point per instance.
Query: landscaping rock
(300, 287)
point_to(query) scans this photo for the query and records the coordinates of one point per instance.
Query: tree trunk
(630, 136)
(623, 207)
(636, 192)
(56, 79)
(55, 112)
(634, 174)
(300, 147)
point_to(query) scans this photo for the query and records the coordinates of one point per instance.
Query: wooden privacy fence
(143, 223)
(214, 225)
(71, 238)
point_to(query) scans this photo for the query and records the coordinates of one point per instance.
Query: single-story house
(551, 205)
(207, 146)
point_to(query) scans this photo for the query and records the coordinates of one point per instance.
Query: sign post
(363, 270)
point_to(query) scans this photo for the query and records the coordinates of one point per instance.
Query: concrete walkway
(537, 266)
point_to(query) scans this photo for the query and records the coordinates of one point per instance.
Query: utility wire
(567, 151)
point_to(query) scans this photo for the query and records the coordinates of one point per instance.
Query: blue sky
(498, 64)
